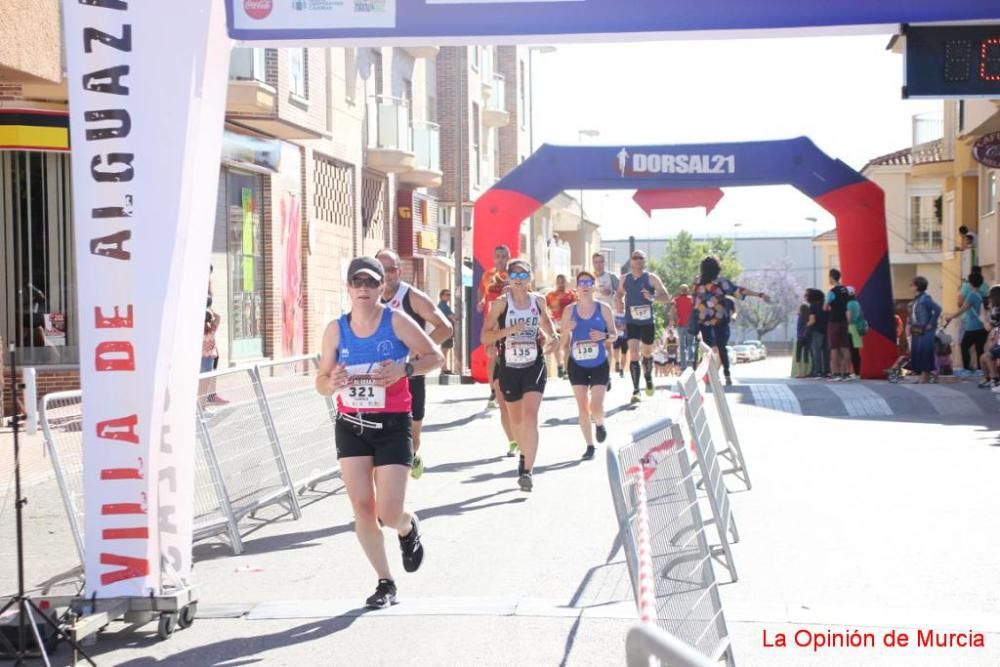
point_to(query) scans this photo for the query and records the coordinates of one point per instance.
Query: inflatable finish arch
(857, 204)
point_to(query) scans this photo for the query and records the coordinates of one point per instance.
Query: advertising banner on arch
(146, 133)
(410, 22)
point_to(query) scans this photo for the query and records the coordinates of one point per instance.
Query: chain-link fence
(264, 433)
(687, 600)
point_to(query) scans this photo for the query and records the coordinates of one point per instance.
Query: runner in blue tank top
(590, 324)
(368, 355)
(636, 295)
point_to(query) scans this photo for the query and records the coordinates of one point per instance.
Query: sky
(842, 92)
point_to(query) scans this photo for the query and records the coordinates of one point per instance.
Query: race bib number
(521, 352)
(363, 393)
(642, 312)
(586, 350)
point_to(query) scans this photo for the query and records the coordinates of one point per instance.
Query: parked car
(761, 350)
(744, 353)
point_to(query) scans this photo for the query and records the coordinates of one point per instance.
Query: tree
(778, 282)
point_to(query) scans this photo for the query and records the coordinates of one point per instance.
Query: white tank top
(521, 350)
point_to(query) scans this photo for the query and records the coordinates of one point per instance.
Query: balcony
(422, 51)
(390, 137)
(929, 141)
(254, 102)
(427, 148)
(495, 112)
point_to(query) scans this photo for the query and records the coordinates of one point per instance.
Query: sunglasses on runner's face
(358, 282)
(584, 282)
(519, 275)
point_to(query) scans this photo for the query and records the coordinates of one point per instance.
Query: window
(988, 192)
(925, 222)
(522, 98)
(959, 117)
(248, 65)
(476, 155)
(298, 79)
(37, 262)
(244, 226)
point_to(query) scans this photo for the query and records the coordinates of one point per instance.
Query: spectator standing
(970, 308)
(447, 346)
(801, 361)
(837, 332)
(819, 351)
(210, 358)
(854, 329)
(924, 314)
(683, 307)
(989, 361)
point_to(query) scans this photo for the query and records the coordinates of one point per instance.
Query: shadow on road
(512, 472)
(238, 650)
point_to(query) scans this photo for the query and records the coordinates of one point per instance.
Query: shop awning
(34, 130)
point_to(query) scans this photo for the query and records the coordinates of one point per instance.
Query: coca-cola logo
(986, 150)
(258, 9)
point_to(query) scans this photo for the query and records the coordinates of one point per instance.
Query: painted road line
(860, 401)
(776, 397)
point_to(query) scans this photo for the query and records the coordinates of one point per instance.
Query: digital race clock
(952, 61)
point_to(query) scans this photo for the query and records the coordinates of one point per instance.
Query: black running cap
(367, 265)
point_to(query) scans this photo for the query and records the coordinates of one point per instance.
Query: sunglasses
(519, 275)
(638, 258)
(358, 283)
(585, 282)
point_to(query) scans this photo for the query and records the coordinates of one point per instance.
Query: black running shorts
(390, 445)
(645, 333)
(621, 344)
(418, 389)
(516, 382)
(588, 377)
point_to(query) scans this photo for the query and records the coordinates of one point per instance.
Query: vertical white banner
(147, 88)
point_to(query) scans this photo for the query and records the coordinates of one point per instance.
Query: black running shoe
(384, 596)
(600, 432)
(524, 481)
(413, 551)
(589, 454)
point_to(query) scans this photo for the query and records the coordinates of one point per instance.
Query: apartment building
(327, 153)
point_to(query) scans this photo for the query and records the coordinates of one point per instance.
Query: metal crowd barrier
(654, 467)
(264, 434)
(733, 452)
(708, 461)
(648, 641)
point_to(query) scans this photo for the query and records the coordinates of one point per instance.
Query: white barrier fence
(264, 436)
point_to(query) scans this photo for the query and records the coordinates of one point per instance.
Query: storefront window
(38, 300)
(245, 247)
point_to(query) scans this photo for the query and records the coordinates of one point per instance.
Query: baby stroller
(942, 351)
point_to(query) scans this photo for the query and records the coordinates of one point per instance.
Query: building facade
(328, 153)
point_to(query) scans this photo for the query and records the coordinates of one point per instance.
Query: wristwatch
(408, 369)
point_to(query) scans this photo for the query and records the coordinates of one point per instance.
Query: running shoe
(635, 398)
(996, 389)
(729, 381)
(649, 389)
(413, 551)
(621, 374)
(417, 467)
(512, 448)
(384, 596)
(601, 433)
(985, 384)
(524, 481)
(589, 454)
(492, 403)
